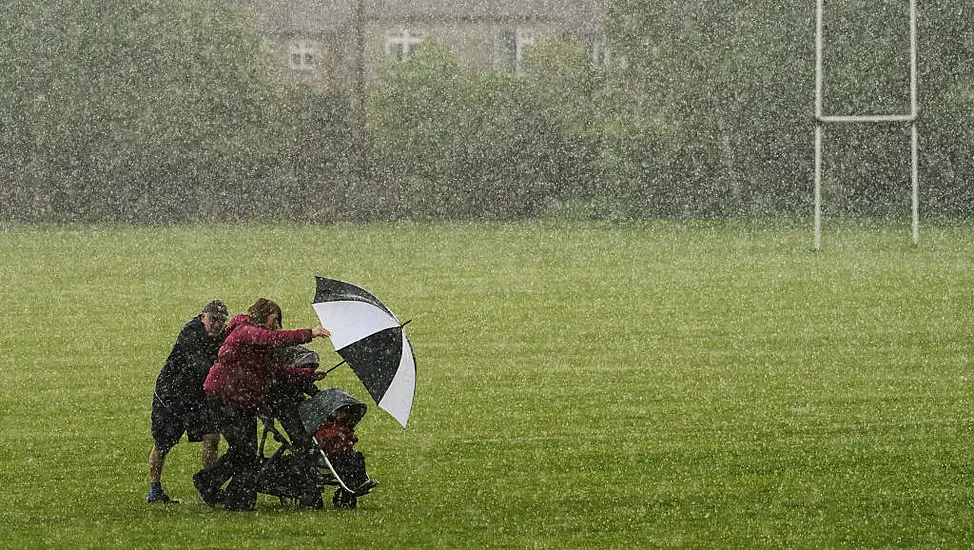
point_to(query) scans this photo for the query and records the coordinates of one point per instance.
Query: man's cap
(217, 309)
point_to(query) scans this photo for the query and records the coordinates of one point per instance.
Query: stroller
(304, 464)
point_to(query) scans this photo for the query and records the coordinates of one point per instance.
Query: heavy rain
(602, 219)
(167, 111)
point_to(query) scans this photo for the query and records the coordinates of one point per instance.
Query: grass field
(658, 385)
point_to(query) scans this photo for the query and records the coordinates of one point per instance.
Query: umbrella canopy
(315, 411)
(371, 340)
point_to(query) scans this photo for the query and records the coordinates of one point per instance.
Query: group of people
(213, 383)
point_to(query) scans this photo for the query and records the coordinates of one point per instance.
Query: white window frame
(400, 43)
(307, 55)
(601, 53)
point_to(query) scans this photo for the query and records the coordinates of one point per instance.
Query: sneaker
(366, 487)
(160, 498)
(210, 495)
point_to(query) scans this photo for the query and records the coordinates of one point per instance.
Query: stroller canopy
(298, 356)
(315, 411)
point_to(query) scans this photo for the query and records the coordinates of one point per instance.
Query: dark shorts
(171, 419)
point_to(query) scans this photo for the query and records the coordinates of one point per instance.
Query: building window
(601, 53)
(511, 45)
(401, 44)
(303, 55)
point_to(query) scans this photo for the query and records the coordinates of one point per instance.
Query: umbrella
(371, 340)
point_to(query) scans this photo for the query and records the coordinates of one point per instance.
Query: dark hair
(262, 309)
(216, 308)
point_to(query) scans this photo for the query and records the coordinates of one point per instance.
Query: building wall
(493, 35)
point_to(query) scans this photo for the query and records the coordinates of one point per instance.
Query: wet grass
(580, 385)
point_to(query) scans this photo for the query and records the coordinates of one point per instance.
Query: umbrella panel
(375, 360)
(331, 290)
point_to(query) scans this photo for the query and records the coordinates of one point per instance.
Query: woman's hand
(320, 332)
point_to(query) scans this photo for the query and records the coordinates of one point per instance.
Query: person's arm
(183, 350)
(290, 373)
(259, 336)
(200, 353)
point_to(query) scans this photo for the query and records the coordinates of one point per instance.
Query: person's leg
(167, 428)
(156, 494)
(156, 461)
(210, 449)
(217, 469)
(240, 431)
(202, 425)
(208, 481)
(237, 464)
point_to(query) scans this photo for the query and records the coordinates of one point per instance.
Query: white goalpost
(821, 119)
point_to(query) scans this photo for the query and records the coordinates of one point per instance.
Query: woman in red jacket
(237, 387)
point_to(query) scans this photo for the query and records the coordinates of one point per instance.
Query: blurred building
(341, 43)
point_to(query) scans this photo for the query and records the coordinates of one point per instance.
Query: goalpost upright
(821, 119)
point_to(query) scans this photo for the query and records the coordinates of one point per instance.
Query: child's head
(341, 415)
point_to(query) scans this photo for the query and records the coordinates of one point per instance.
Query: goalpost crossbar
(822, 119)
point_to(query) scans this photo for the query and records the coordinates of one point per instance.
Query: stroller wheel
(344, 499)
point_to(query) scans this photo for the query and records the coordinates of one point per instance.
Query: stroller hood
(315, 410)
(298, 356)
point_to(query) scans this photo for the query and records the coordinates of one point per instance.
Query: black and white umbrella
(371, 340)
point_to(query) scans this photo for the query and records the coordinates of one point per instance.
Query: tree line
(166, 111)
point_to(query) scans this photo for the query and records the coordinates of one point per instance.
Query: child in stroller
(317, 451)
(336, 438)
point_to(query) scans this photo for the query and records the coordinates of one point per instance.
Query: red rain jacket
(245, 363)
(335, 437)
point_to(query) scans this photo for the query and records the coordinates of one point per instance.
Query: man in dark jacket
(179, 403)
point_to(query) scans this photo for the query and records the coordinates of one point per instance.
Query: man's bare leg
(156, 494)
(210, 449)
(156, 461)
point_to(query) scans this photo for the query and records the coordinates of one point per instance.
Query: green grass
(580, 385)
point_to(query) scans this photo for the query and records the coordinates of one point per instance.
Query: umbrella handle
(335, 367)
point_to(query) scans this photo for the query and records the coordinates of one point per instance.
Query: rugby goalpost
(821, 119)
